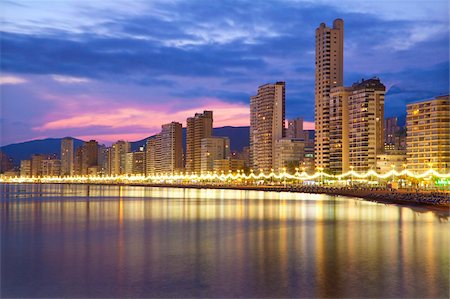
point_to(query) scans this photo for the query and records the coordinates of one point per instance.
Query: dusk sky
(109, 71)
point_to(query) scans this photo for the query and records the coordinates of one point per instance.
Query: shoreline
(379, 196)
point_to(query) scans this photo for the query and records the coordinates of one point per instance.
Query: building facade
(428, 135)
(267, 116)
(118, 154)
(67, 156)
(213, 148)
(289, 154)
(329, 73)
(51, 167)
(25, 168)
(198, 127)
(171, 137)
(134, 164)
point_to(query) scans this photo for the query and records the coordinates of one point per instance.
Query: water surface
(111, 241)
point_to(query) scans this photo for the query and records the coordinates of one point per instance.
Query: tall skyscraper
(119, 151)
(67, 156)
(198, 127)
(89, 160)
(356, 122)
(329, 74)
(338, 129)
(171, 147)
(428, 135)
(267, 116)
(153, 163)
(213, 148)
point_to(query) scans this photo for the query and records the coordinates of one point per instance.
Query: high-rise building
(295, 128)
(118, 155)
(338, 129)
(171, 147)
(198, 127)
(153, 155)
(329, 74)
(428, 135)
(67, 156)
(135, 163)
(356, 121)
(267, 116)
(89, 158)
(25, 168)
(366, 121)
(390, 131)
(36, 164)
(51, 166)
(213, 148)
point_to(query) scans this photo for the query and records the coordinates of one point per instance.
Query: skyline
(126, 79)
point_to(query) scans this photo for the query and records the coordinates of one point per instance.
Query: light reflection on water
(111, 241)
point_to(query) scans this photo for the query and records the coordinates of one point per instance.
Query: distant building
(428, 135)
(89, 157)
(394, 135)
(329, 74)
(103, 160)
(67, 156)
(51, 167)
(171, 147)
(244, 155)
(118, 155)
(289, 154)
(36, 164)
(135, 163)
(295, 128)
(227, 165)
(267, 116)
(198, 127)
(25, 168)
(6, 163)
(393, 160)
(153, 155)
(213, 148)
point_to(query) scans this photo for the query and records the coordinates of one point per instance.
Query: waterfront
(129, 241)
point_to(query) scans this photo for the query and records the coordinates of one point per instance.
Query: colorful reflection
(122, 241)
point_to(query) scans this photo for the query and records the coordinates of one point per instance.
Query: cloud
(69, 79)
(11, 80)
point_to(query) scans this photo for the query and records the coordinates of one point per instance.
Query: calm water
(108, 241)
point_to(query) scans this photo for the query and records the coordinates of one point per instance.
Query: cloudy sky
(91, 70)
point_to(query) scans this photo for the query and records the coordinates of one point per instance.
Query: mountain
(24, 150)
(239, 138)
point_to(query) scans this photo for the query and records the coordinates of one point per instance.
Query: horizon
(121, 72)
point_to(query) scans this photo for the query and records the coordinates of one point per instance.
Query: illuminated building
(25, 168)
(267, 115)
(329, 73)
(289, 153)
(394, 135)
(230, 164)
(428, 135)
(339, 129)
(89, 157)
(135, 163)
(213, 148)
(295, 128)
(198, 127)
(153, 155)
(356, 121)
(118, 155)
(36, 164)
(392, 160)
(171, 147)
(67, 156)
(51, 167)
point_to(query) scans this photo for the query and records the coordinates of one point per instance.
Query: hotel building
(67, 157)
(356, 126)
(198, 127)
(213, 148)
(428, 135)
(329, 73)
(267, 116)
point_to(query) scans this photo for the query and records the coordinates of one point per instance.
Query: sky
(119, 71)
